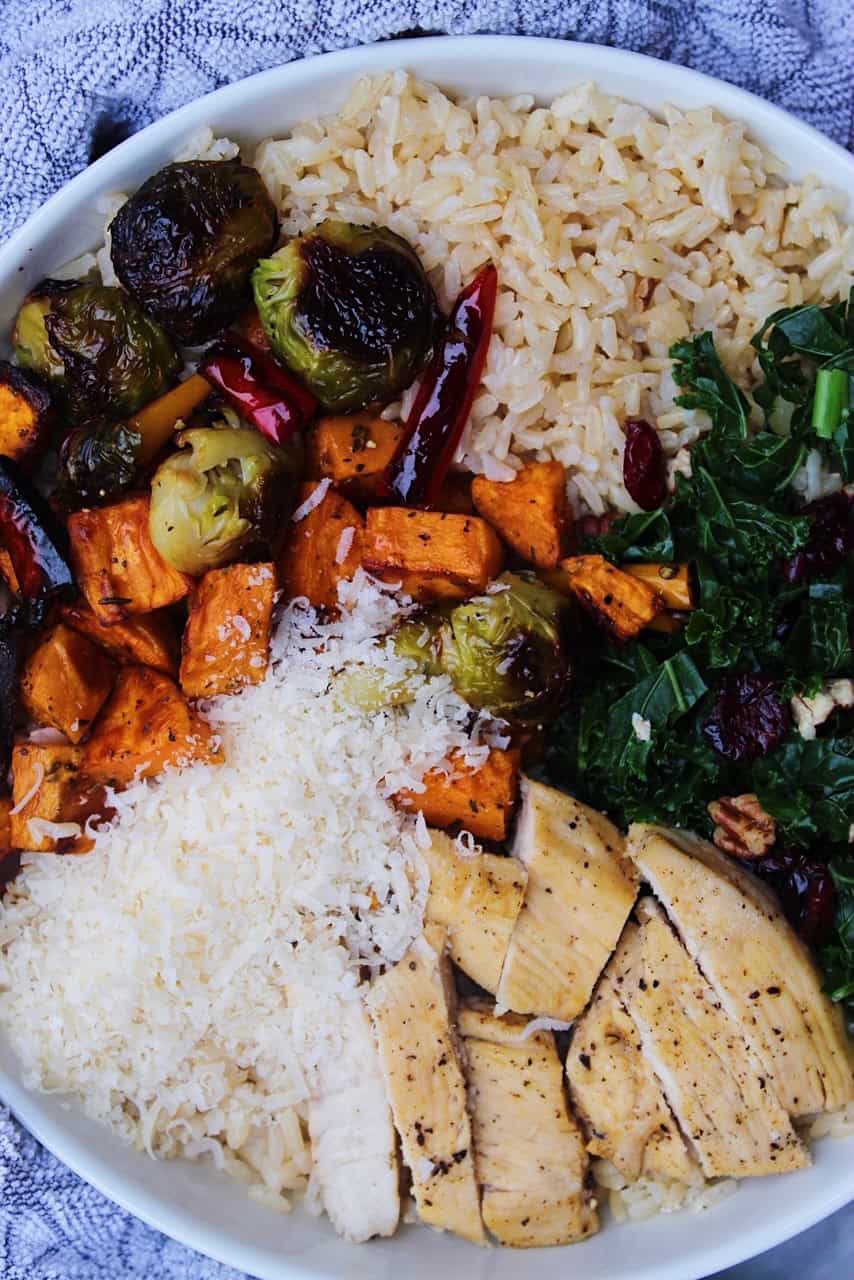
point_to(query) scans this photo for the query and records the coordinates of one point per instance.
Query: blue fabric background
(78, 75)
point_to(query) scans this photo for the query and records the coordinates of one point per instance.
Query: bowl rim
(93, 180)
(87, 181)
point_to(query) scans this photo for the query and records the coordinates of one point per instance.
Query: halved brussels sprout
(350, 310)
(226, 491)
(95, 344)
(504, 651)
(186, 242)
(97, 462)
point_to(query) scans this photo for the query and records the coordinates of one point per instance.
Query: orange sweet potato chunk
(146, 725)
(226, 640)
(315, 557)
(56, 769)
(353, 450)
(481, 800)
(66, 681)
(118, 567)
(147, 640)
(435, 555)
(618, 601)
(529, 512)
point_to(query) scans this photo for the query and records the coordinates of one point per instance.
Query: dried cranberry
(831, 538)
(749, 718)
(644, 474)
(806, 891)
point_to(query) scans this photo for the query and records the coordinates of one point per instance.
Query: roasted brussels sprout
(30, 337)
(27, 413)
(94, 342)
(226, 491)
(350, 310)
(504, 651)
(97, 462)
(186, 242)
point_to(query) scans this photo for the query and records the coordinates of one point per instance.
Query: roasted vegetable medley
(687, 664)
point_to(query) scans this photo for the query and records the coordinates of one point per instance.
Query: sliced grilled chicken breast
(717, 1089)
(529, 1152)
(580, 891)
(412, 1008)
(764, 976)
(613, 1087)
(477, 900)
(353, 1143)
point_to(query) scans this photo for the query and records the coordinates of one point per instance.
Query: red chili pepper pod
(644, 472)
(258, 388)
(36, 544)
(433, 429)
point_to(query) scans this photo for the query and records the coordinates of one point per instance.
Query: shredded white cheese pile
(149, 976)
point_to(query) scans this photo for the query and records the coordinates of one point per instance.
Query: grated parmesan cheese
(345, 544)
(216, 887)
(313, 500)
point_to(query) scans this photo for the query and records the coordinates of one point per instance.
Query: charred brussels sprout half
(95, 343)
(504, 651)
(350, 310)
(186, 242)
(227, 491)
(97, 462)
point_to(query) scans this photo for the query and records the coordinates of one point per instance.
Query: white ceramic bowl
(190, 1202)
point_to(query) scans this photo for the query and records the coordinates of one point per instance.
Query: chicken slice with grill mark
(717, 1089)
(613, 1087)
(529, 1152)
(477, 899)
(580, 892)
(763, 974)
(412, 1008)
(353, 1143)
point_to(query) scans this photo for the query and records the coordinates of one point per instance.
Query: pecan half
(742, 827)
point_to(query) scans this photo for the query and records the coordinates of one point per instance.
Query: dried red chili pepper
(749, 718)
(806, 889)
(35, 543)
(258, 388)
(644, 473)
(433, 429)
(8, 685)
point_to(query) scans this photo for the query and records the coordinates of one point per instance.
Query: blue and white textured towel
(76, 76)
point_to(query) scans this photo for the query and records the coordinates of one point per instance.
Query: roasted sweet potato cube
(352, 450)
(27, 412)
(481, 800)
(146, 725)
(49, 777)
(434, 555)
(529, 512)
(322, 549)
(118, 567)
(66, 681)
(671, 581)
(7, 572)
(622, 604)
(227, 637)
(148, 640)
